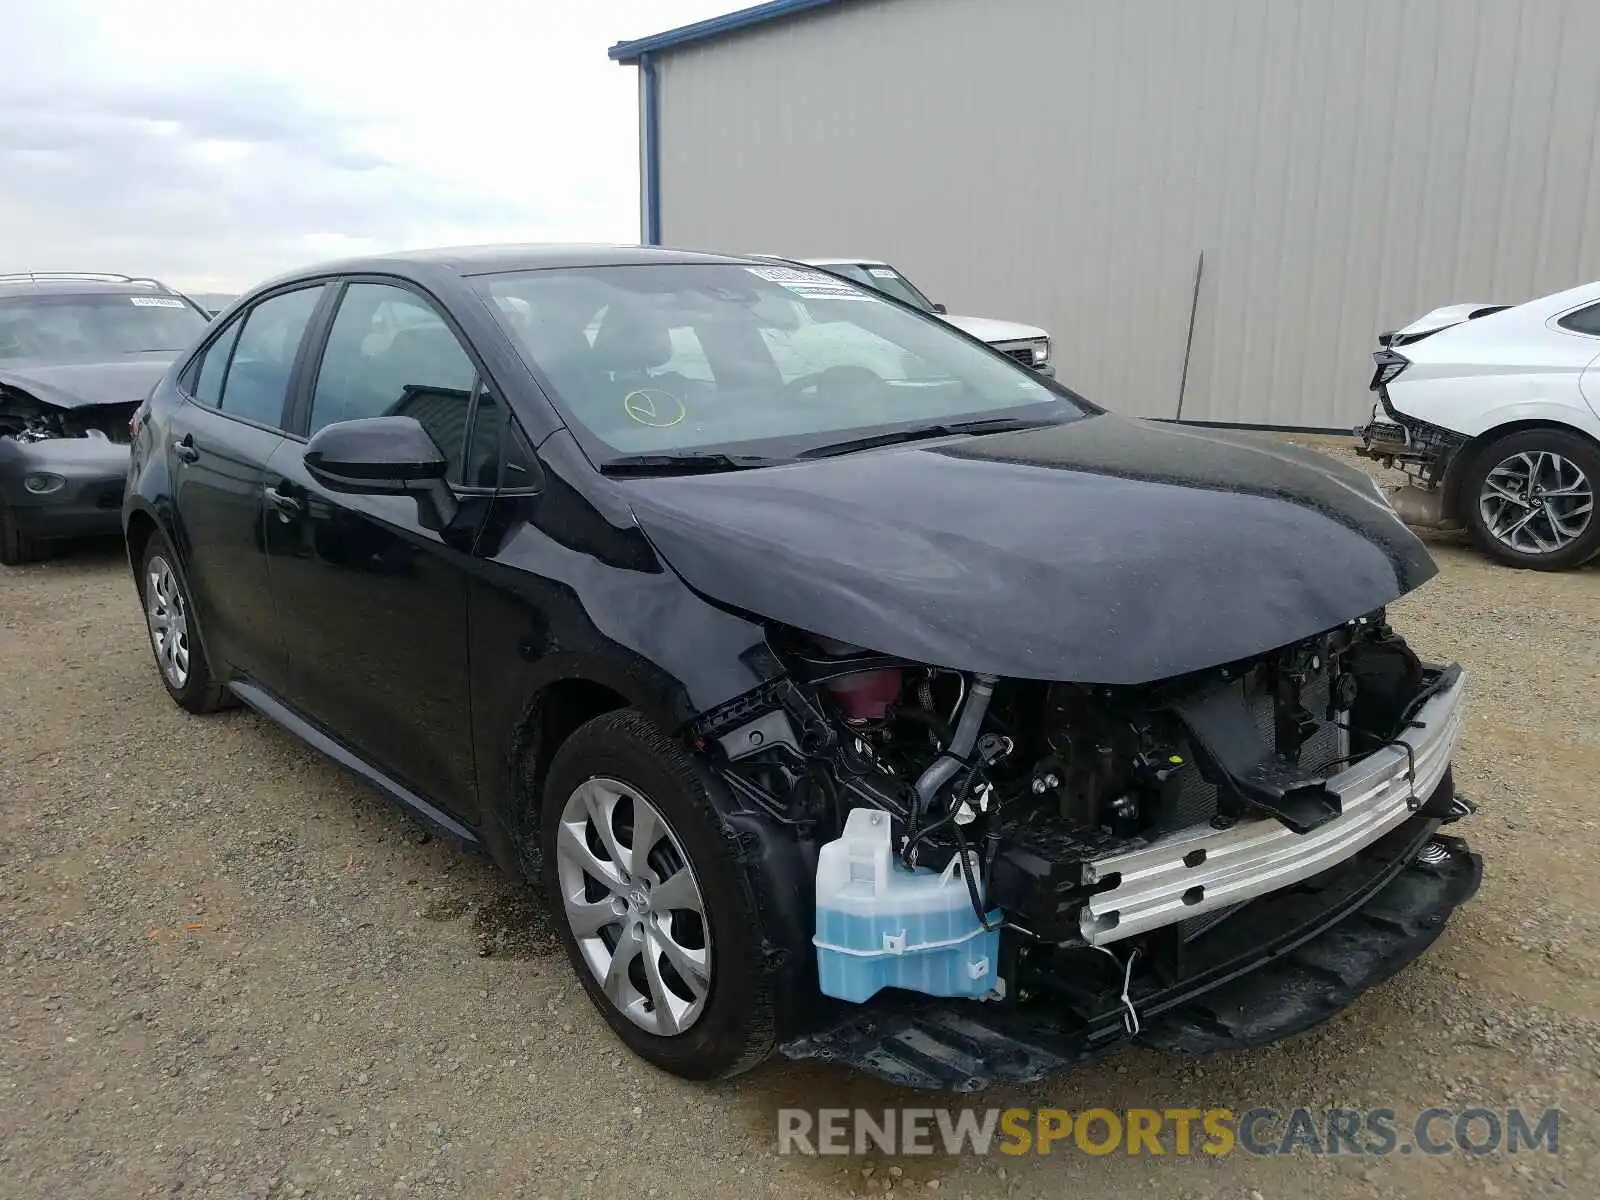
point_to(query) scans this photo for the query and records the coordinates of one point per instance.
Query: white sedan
(1493, 412)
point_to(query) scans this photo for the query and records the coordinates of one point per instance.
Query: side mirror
(940, 309)
(383, 456)
(374, 454)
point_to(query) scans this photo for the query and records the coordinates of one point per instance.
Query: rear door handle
(185, 449)
(288, 507)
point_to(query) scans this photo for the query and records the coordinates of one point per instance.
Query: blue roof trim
(700, 31)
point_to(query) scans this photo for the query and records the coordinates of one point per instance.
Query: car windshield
(886, 279)
(772, 360)
(77, 328)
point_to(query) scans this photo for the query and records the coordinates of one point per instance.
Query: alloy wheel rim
(168, 619)
(1536, 502)
(634, 906)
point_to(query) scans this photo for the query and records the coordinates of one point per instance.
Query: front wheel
(1529, 499)
(656, 910)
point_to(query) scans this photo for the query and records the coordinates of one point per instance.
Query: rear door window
(256, 383)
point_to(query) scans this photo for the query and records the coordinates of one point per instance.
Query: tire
(193, 687)
(16, 548)
(602, 772)
(1563, 468)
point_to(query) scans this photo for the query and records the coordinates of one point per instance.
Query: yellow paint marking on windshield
(645, 405)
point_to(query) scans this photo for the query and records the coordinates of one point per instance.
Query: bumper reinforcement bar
(1196, 871)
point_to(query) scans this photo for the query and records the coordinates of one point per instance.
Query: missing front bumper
(1382, 439)
(1201, 870)
(1331, 939)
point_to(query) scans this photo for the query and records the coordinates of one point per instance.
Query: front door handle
(185, 448)
(288, 507)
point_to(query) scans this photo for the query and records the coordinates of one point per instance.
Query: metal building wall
(1342, 164)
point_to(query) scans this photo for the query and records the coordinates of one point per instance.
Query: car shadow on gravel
(510, 921)
(89, 557)
(87, 552)
(460, 887)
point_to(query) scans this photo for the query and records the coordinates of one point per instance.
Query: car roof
(1567, 298)
(485, 260)
(77, 287)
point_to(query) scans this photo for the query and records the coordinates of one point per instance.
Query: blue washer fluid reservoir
(880, 924)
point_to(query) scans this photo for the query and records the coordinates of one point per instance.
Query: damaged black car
(78, 353)
(850, 691)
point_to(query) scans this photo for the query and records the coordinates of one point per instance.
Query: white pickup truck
(1028, 344)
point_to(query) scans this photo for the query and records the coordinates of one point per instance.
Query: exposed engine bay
(27, 419)
(1039, 798)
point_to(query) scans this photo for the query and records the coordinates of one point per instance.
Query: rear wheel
(1529, 499)
(15, 547)
(656, 911)
(174, 637)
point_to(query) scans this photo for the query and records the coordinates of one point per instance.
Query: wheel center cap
(639, 900)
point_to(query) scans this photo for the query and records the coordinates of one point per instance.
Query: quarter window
(517, 468)
(213, 365)
(482, 457)
(256, 382)
(1585, 320)
(390, 353)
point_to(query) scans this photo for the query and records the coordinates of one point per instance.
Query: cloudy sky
(215, 143)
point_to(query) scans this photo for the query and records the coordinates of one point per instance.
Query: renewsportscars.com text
(1262, 1131)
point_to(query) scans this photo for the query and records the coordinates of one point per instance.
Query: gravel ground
(229, 969)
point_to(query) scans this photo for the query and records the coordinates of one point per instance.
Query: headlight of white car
(1041, 352)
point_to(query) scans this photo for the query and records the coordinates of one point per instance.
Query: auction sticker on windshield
(156, 302)
(811, 285)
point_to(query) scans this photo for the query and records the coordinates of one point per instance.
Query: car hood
(990, 330)
(80, 385)
(1104, 550)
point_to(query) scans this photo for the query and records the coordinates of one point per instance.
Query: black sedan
(848, 688)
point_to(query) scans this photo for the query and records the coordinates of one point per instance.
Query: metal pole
(651, 138)
(1188, 342)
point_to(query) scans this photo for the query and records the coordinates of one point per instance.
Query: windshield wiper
(694, 463)
(923, 432)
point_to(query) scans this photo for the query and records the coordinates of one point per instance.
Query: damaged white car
(1493, 412)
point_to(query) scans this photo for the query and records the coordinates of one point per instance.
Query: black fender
(569, 602)
(782, 868)
(516, 734)
(137, 509)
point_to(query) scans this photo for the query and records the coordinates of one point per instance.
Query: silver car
(78, 352)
